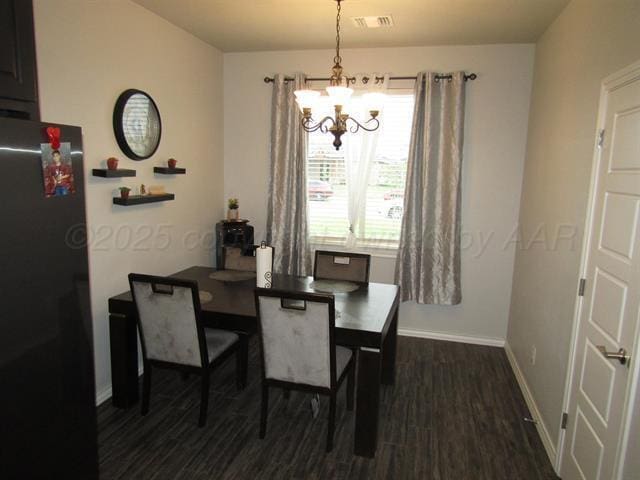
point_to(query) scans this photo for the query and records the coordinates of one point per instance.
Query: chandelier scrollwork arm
(310, 125)
(357, 125)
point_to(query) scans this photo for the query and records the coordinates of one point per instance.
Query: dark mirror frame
(117, 124)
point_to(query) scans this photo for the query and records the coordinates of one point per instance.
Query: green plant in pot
(124, 192)
(232, 212)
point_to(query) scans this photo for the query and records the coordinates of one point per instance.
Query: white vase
(232, 215)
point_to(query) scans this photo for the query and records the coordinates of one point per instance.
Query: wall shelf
(140, 199)
(120, 172)
(169, 170)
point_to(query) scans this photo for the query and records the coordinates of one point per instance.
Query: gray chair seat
(343, 355)
(218, 341)
(297, 333)
(234, 259)
(172, 335)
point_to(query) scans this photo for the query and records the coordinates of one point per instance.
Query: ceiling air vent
(373, 22)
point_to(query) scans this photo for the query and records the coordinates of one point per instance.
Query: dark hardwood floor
(455, 413)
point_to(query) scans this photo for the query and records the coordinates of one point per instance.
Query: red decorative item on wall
(112, 163)
(54, 137)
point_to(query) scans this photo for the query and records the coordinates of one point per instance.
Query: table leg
(389, 352)
(367, 402)
(124, 360)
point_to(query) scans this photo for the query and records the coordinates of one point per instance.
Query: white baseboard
(103, 395)
(449, 337)
(543, 432)
(106, 393)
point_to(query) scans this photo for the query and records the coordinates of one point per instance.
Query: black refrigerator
(47, 386)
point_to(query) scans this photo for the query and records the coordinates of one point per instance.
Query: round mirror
(137, 125)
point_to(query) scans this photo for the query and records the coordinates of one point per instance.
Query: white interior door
(610, 312)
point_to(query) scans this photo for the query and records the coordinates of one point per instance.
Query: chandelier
(339, 94)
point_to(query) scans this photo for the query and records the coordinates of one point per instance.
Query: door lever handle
(620, 355)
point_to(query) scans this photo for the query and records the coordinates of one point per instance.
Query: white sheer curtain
(359, 153)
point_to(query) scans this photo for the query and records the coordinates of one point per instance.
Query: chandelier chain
(338, 59)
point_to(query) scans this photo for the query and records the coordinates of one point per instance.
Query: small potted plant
(232, 213)
(124, 192)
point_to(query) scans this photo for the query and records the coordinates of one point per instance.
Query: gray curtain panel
(287, 224)
(428, 263)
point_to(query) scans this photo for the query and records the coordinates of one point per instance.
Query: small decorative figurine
(143, 190)
(232, 213)
(124, 192)
(112, 163)
(172, 162)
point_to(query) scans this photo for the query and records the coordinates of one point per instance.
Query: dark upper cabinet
(18, 85)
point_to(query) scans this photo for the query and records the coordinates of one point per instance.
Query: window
(327, 180)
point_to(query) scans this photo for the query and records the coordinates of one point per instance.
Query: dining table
(366, 320)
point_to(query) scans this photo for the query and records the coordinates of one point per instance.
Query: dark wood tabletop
(362, 316)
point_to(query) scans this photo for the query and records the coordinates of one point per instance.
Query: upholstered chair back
(168, 319)
(351, 267)
(235, 260)
(297, 336)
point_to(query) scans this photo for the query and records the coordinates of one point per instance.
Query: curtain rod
(471, 76)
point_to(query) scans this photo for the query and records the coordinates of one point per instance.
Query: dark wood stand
(232, 234)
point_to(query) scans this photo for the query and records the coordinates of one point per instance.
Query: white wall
(88, 53)
(495, 134)
(588, 41)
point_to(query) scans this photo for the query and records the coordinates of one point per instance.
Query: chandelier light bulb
(306, 98)
(339, 95)
(374, 101)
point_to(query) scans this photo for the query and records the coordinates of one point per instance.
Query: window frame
(376, 248)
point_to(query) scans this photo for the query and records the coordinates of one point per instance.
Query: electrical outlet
(532, 355)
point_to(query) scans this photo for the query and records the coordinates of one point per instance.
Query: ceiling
(253, 25)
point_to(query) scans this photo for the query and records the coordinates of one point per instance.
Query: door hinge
(583, 283)
(565, 419)
(601, 138)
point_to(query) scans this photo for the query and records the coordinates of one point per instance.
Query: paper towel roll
(264, 260)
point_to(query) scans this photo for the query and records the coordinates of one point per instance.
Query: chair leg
(351, 383)
(204, 398)
(242, 361)
(264, 411)
(332, 421)
(146, 389)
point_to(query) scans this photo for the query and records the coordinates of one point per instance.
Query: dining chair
(351, 267)
(234, 258)
(298, 349)
(172, 335)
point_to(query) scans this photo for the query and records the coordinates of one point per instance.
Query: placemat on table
(333, 286)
